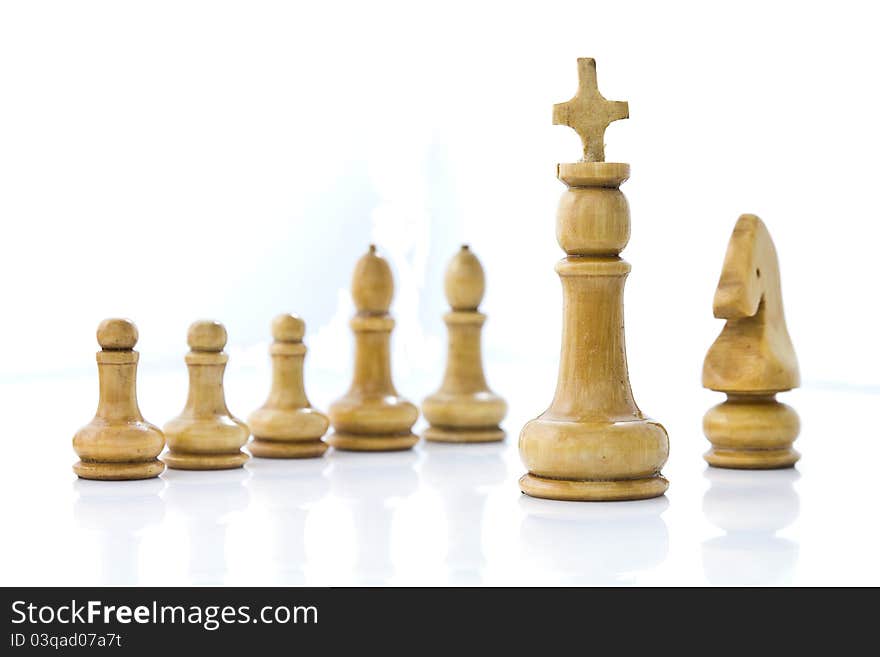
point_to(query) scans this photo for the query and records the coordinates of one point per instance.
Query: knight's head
(743, 284)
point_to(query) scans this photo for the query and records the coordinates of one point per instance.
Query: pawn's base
(752, 459)
(593, 491)
(275, 449)
(184, 461)
(446, 435)
(372, 443)
(118, 471)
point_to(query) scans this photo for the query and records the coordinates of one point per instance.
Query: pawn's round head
(206, 335)
(465, 281)
(288, 328)
(117, 334)
(372, 285)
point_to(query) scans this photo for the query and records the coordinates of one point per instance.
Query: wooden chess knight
(464, 410)
(593, 442)
(752, 359)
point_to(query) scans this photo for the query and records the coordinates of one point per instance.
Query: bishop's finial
(372, 285)
(465, 281)
(589, 113)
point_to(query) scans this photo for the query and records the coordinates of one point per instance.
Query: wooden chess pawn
(372, 416)
(205, 436)
(286, 426)
(118, 443)
(752, 359)
(464, 410)
(593, 443)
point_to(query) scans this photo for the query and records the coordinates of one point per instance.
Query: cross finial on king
(589, 113)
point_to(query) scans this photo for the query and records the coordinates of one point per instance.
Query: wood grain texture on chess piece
(589, 113)
(464, 410)
(286, 426)
(593, 442)
(372, 416)
(752, 359)
(118, 443)
(205, 436)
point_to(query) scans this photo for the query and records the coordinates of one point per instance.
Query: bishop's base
(372, 443)
(183, 461)
(752, 459)
(444, 435)
(276, 449)
(118, 471)
(593, 491)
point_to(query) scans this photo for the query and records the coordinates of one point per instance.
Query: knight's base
(183, 461)
(275, 449)
(118, 471)
(751, 433)
(372, 443)
(444, 435)
(752, 459)
(593, 491)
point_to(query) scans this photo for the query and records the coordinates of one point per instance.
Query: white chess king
(593, 443)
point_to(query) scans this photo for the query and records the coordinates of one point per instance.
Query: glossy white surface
(438, 515)
(203, 160)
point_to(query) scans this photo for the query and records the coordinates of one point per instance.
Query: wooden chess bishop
(118, 443)
(287, 426)
(593, 443)
(752, 359)
(205, 436)
(372, 416)
(464, 410)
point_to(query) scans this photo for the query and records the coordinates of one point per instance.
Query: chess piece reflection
(752, 359)
(593, 442)
(464, 410)
(372, 416)
(288, 491)
(207, 501)
(370, 488)
(463, 477)
(205, 436)
(118, 443)
(287, 426)
(596, 544)
(119, 515)
(751, 508)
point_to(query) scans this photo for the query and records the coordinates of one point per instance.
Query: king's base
(447, 435)
(184, 461)
(275, 449)
(752, 459)
(593, 491)
(118, 471)
(353, 442)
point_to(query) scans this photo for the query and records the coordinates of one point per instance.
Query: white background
(170, 161)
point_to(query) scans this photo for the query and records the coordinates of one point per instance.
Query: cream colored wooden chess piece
(752, 359)
(286, 426)
(464, 410)
(372, 416)
(205, 436)
(118, 443)
(593, 443)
